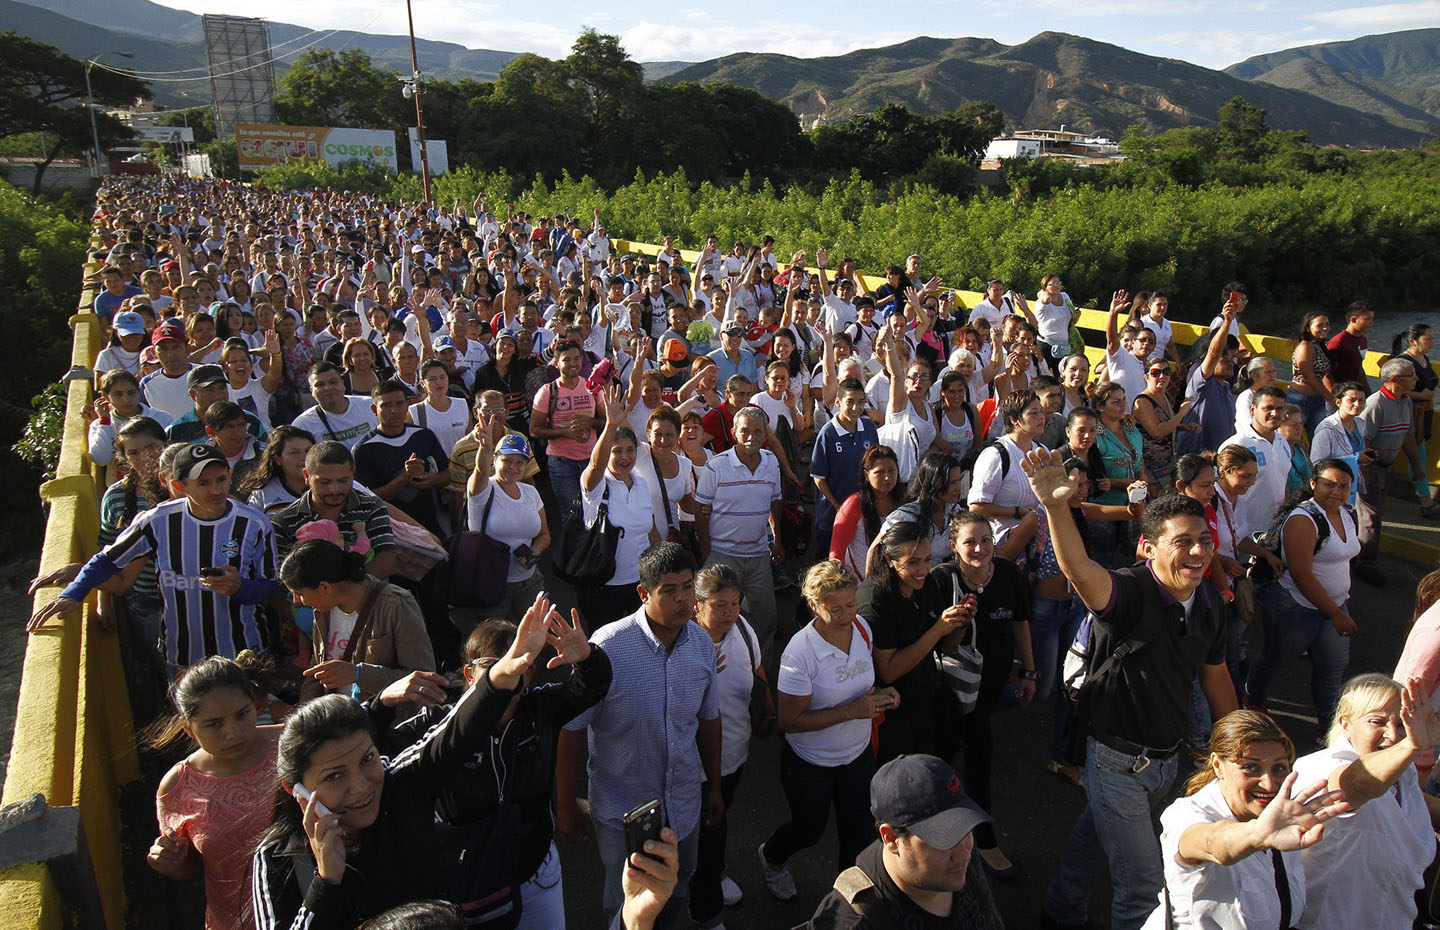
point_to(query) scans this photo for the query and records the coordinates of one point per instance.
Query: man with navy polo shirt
(835, 461)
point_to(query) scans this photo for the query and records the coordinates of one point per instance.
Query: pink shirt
(1421, 656)
(223, 819)
(569, 403)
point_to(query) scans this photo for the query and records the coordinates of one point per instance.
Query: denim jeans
(1312, 408)
(611, 841)
(1115, 827)
(811, 790)
(1053, 622)
(565, 481)
(1290, 631)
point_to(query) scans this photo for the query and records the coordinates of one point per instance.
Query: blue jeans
(565, 481)
(1115, 827)
(1053, 622)
(611, 841)
(1290, 631)
(1312, 407)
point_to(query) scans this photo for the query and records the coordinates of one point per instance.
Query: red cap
(168, 331)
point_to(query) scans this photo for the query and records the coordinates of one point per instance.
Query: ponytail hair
(1233, 734)
(319, 560)
(1412, 333)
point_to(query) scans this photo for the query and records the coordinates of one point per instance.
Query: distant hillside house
(1052, 143)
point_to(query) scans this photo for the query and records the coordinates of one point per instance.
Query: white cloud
(1220, 48)
(1384, 17)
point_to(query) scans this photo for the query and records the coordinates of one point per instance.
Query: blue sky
(1213, 33)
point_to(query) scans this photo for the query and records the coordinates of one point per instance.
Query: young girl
(214, 805)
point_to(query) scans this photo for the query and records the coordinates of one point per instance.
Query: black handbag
(584, 556)
(479, 565)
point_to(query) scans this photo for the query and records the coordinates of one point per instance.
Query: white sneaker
(778, 879)
(730, 891)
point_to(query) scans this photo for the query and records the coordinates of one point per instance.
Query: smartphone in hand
(642, 823)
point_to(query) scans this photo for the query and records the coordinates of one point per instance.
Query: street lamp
(90, 104)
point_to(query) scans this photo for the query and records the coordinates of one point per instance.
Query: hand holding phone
(303, 795)
(642, 823)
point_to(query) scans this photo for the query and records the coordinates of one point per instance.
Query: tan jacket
(395, 645)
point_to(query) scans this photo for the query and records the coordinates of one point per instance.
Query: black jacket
(885, 907)
(521, 758)
(398, 859)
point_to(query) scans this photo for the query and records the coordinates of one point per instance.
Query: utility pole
(415, 82)
(90, 105)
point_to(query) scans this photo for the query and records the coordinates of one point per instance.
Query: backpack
(1081, 676)
(973, 456)
(1270, 539)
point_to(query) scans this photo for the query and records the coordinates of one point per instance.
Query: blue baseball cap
(444, 342)
(129, 323)
(513, 444)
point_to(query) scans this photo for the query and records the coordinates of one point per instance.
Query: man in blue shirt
(732, 358)
(1209, 384)
(835, 462)
(657, 732)
(116, 292)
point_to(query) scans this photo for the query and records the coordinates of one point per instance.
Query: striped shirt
(360, 507)
(740, 502)
(196, 621)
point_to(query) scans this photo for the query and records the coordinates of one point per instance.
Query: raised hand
(1119, 301)
(1296, 822)
(614, 398)
(568, 639)
(424, 688)
(821, 256)
(1048, 478)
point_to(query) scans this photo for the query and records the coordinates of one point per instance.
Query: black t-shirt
(379, 458)
(1150, 703)
(1000, 604)
(972, 908)
(898, 621)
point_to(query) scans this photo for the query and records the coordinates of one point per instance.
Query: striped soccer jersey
(197, 622)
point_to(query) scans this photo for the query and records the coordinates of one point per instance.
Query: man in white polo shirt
(1261, 436)
(739, 497)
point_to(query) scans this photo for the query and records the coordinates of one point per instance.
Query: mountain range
(1381, 90)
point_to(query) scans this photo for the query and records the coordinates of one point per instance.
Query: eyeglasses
(1159, 372)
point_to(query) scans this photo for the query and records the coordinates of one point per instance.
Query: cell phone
(1138, 494)
(302, 794)
(643, 823)
(212, 573)
(523, 553)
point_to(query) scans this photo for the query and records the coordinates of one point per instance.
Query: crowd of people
(357, 447)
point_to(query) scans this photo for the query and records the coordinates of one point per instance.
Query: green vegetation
(41, 247)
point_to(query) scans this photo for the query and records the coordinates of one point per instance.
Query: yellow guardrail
(74, 740)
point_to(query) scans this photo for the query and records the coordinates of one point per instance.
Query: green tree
(611, 86)
(329, 88)
(42, 90)
(1242, 129)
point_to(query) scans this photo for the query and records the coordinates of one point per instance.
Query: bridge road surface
(1033, 809)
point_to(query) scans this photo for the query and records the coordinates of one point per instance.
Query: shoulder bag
(584, 555)
(479, 565)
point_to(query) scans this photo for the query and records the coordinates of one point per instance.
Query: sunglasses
(1159, 372)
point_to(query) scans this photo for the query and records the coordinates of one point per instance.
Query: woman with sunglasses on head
(1159, 423)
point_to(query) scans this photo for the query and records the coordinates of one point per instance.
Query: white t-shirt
(1208, 896)
(838, 313)
(113, 357)
(1332, 563)
(513, 521)
(1123, 368)
(1366, 870)
(923, 425)
(167, 394)
(1269, 488)
(347, 427)
(1163, 334)
(630, 510)
(342, 625)
(1242, 408)
(811, 667)
(732, 692)
(675, 488)
(993, 484)
(1053, 322)
(259, 400)
(775, 409)
(985, 310)
(448, 426)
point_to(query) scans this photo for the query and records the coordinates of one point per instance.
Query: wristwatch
(1029, 674)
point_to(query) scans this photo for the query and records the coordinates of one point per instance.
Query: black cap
(923, 795)
(190, 461)
(205, 375)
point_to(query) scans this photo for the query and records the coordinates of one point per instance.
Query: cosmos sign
(262, 145)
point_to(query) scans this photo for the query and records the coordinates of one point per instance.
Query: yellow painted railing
(74, 740)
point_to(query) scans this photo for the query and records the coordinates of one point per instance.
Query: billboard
(261, 145)
(435, 149)
(164, 133)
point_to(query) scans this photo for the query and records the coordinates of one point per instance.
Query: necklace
(979, 588)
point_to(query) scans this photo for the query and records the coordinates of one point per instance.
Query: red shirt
(1347, 357)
